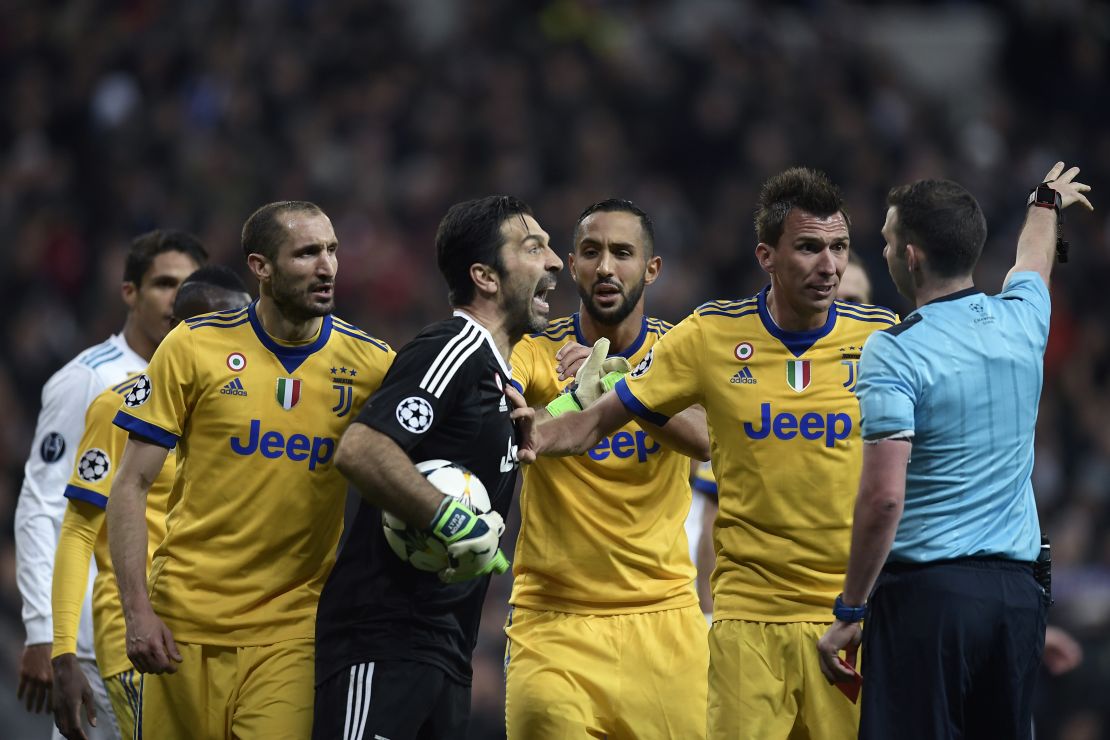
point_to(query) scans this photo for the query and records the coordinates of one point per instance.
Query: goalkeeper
(605, 637)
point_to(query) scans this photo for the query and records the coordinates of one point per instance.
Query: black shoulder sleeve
(899, 328)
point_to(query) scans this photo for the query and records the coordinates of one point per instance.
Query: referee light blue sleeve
(1028, 295)
(886, 390)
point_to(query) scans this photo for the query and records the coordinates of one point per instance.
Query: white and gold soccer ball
(420, 548)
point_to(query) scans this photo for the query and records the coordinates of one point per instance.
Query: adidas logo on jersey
(744, 375)
(234, 388)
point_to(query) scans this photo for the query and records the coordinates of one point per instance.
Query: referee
(944, 541)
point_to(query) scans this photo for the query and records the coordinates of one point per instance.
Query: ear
(260, 266)
(570, 266)
(654, 265)
(765, 256)
(130, 293)
(485, 278)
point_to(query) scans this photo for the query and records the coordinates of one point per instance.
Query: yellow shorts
(621, 676)
(765, 682)
(241, 692)
(123, 692)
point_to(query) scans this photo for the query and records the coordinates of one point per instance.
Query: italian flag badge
(797, 374)
(288, 392)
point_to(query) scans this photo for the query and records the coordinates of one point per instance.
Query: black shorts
(952, 650)
(393, 700)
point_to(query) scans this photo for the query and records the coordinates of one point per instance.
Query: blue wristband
(846, 613)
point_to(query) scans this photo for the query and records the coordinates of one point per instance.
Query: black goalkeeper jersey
(443, 398)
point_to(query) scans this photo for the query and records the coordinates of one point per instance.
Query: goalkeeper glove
(471, 541)
(597, 375)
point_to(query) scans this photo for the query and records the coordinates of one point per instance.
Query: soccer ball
(420, 548)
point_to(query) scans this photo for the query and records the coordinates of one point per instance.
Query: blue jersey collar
(795, 341)
(627, 353)
(290, 357)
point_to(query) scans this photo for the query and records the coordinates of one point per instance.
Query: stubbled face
(895, 255)
(855, 286)
(530, 270)
(302, 277)
(151, 302)
(610, 265)
(806, 264)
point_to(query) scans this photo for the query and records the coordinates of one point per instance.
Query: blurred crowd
(121, 117)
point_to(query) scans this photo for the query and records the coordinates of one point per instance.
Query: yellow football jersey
(601, 533)
(257, 506)
(98, 457)
(786, 447)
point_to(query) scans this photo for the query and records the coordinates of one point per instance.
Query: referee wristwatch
(846, 613)
(1044, 196)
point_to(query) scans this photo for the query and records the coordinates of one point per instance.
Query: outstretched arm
(1036, 247)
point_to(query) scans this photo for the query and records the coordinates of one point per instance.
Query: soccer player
(156, 264)
(603, 576)
(855, 287)
(211, 288)
(944, 541)
(776, 374)
(393, 643)
(255, 401)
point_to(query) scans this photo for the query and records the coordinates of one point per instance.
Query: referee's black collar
(955, 296)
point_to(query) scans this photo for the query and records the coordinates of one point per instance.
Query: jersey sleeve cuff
(634, 405)
(516, 384)
(705, 487)
(144, 429)
(84, 494)
(39, 630)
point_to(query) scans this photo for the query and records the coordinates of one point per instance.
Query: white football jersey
(42, 505)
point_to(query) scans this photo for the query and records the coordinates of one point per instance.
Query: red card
(851, 688)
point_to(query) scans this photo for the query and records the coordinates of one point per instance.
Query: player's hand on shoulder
(471, 539)
(71, 690)
(150, 644)
(35, 677)
(1063, 182)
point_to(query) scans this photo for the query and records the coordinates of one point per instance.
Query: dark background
(118, 117)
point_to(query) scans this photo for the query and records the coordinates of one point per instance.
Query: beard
(296, 303)
(520, 319)
(616, 314)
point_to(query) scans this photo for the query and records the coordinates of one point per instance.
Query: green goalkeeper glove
(597, 375)
(471, 541)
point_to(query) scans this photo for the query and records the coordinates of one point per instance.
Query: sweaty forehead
(803, 224)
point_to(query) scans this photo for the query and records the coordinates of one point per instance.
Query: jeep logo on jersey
(624, 445)
(644, 364)
(93, 465)
(139, 393)
(52, 448)
(274, 445)
(415, 414)
(812, 426)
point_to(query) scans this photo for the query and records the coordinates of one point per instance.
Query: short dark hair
(620, 205)
(263, 233)
(942, 218)
(211, 288)
(470, 233)
(797, 187)
(145, 247)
